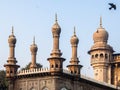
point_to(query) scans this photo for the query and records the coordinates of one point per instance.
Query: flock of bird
(112, 6)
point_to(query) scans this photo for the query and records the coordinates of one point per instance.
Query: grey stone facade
(46, 81)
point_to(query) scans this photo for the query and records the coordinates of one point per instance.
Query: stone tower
(101, 55)
(74, 66)
(11, 67)
(56, 61)
(33, 49)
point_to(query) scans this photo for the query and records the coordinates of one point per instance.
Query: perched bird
(112, 5)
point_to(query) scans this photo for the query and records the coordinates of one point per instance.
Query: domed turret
(11, 66)
(12, 39)
(101, 35)
(74, 67)
(33, 47)
(101, 55)
(74, 40)
(56, 61)
(56, 28)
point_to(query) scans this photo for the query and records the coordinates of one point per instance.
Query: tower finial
(100, 21)
(34, 40)
(56, 17)
(74, 31)
(12, 30)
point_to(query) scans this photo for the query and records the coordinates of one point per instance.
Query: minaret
(101, 55)
(33, 49)
(11, 67)
(74, 66)
(56, 61)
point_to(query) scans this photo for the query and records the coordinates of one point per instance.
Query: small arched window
(92, 56)
(56, 65)
(11, 71)
(96, 55)
(101, 55)
(52, 66)
(75, 72)
(106, 56)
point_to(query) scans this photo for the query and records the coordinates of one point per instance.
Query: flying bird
(112, 5)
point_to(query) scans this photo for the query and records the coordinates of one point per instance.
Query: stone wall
(56, 83)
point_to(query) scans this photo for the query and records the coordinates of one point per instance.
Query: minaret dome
(33, 47)
(101, 35)
(12, 39)
(74, 39)
(56, 29)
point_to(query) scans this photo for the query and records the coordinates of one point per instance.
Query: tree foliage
(3, 80)
(28, 66)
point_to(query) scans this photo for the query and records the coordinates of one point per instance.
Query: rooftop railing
(33, 71)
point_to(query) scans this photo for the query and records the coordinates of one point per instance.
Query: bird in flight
(112, 5)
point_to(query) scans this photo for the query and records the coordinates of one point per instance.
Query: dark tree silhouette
(3, 80)
(28, 66)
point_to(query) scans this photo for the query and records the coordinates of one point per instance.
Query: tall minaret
(11, 67)
(33, 49)
(74, 66)
(101, 55)
(56, 61)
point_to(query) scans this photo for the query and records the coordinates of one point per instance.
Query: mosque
(105, 63)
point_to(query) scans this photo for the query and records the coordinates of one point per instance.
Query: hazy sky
(35, 18)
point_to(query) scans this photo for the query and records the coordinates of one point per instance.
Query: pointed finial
(74, 31)
(12, 30)
(56, 17)
(34, 40)
(100, 21)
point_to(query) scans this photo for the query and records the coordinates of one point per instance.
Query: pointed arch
(32, 88)
(64, 88)
(45, 88)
